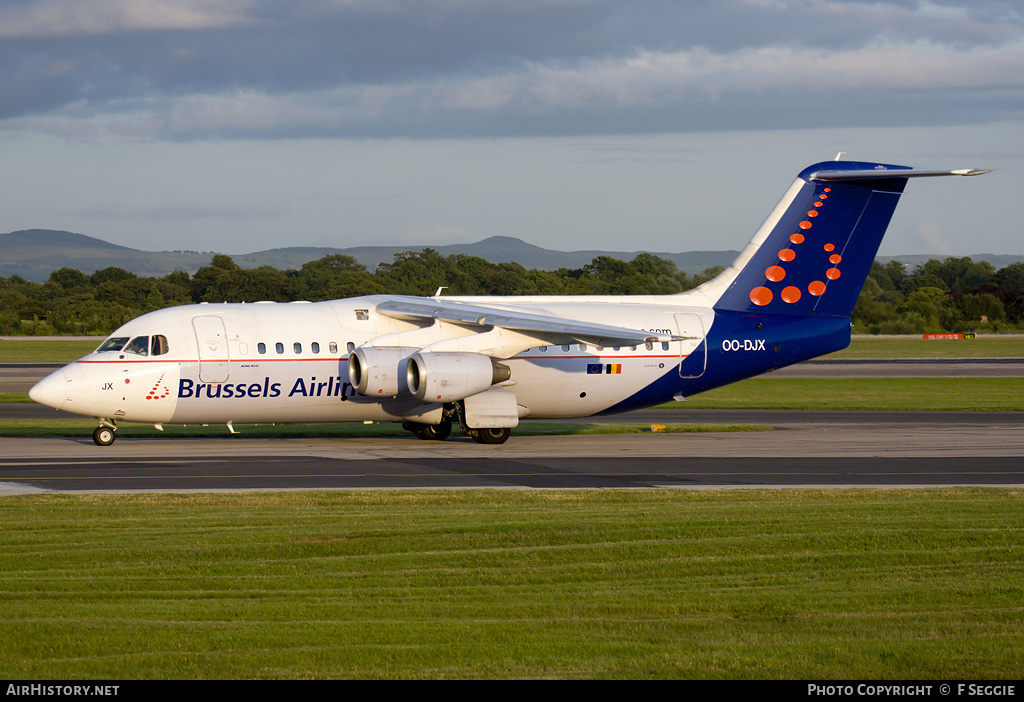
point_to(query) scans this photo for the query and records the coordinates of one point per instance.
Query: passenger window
(261, 347)
(159, 345)
(279, 347)
(350, 346)
(333, 347)
(315, 347)
(297, 347)
(565, 347)
(664, 346)
(649, 345)
(139, 346)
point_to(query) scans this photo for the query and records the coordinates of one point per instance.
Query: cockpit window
(114, 343)
(139, 345)
(159, 345)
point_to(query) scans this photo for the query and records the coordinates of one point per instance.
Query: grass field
(807, 584)
(45, 350)
(988, 346)
(725, 584)
(951, 394)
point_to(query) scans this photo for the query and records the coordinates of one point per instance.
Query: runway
(835, 449)
(803, 448)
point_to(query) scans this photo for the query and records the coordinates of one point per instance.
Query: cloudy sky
(241, 125)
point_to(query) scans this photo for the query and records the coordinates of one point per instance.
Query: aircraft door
(693, 326)
(214, 364)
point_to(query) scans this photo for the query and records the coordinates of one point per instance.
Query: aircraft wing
(420, 308)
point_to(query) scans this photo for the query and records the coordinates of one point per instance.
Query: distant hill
(496, 249)
(35, 253)
(48, 238)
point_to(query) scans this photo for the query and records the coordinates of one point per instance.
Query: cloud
(202, 69)
(928, 236)
(64, 18)
(649, 92)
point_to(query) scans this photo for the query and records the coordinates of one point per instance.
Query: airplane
(484, 363)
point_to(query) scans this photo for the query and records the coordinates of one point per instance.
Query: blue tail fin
(815, 251)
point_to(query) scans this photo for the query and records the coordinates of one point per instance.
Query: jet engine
(378, 371)
(447, 377)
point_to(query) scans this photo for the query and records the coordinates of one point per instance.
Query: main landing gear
(440, 432)
(498, 435)
(429, 432)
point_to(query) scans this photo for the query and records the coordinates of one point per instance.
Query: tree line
(956, 294)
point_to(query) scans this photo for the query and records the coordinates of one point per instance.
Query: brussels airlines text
(332, 387)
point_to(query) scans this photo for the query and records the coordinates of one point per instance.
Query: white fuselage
(288, 362)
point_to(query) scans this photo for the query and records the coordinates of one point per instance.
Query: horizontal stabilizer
(849, 176)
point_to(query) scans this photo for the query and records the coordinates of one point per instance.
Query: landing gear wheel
(492, 436)
(435, 432)
(430, 432)
(103, 436)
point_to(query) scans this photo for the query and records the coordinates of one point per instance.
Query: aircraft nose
(52, 390)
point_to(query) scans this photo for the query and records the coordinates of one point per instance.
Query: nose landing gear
(104, 435)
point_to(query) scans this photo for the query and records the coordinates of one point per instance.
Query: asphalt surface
(803, 448)
(831, 449)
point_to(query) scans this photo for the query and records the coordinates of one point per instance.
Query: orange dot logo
(832, 273)
(830, 247)
(787, 255)
(797, 238)
(818, 204)
(835, 259)
(154, 394)
(775, 273)
(805, 224)
(791, 294)
(816, 288)
(812, 213)
(761, 296)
